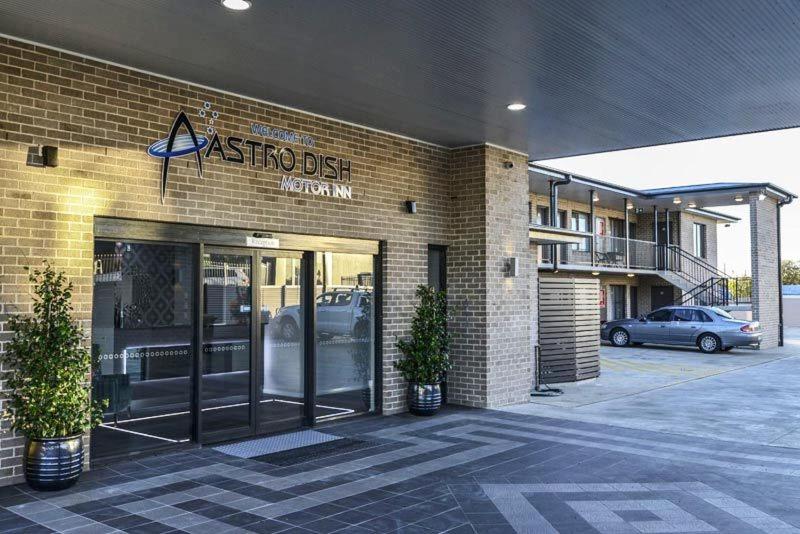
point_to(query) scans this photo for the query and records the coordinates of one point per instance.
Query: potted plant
(49, 393)
(426, 352)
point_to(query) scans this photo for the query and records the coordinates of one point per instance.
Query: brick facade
(686, 225)
(492, 331)
(764, 257)
(103, 117)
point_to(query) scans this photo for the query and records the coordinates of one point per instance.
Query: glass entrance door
(225, 388)
(280, 356)
(345, 351)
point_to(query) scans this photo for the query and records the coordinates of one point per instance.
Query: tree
(791, 272)
(47, 365)
(426, 351)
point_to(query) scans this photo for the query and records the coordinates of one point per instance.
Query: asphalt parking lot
(743, 395)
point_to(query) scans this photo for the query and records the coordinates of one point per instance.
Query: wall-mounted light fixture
(595, 198)
(595, 273)
(631, 275)
(511, 266)
(762, 195)
(42, 156)
(411, 206)
(692, 204)
(629, 205)
(738, 198)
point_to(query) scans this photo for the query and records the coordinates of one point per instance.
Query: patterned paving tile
(465, 471)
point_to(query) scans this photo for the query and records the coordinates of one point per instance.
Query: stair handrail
(675, 259)
(717, 287)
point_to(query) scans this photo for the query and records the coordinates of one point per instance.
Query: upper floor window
(542, 215)
(699, 233)
(579, 222)
(617, 227)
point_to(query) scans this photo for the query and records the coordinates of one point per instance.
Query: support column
(766, 292)
(593, 240)
(493, 327)
(627, 235)
(655, 236)
(666, 240)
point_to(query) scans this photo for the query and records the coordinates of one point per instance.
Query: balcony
(608, 253)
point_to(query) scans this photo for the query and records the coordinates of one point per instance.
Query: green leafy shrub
(426, 351)
(48, 364)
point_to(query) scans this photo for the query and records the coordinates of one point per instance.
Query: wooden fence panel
(569, 329)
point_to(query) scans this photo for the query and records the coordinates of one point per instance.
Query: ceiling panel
(597, 76)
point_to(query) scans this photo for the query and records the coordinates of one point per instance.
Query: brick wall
(102, 118)
(492, 330)
(509, 310)
(764, 254)
(687, 221)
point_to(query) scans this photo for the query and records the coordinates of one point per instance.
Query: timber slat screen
(569, 329)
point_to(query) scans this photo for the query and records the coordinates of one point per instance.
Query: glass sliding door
(280, 355)
(225, 388)
(142, 345)
(345, 352)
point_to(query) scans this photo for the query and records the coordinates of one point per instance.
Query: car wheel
(709, 343)
(619, 337)
(289, 330)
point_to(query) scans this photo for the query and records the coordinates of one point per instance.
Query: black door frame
(249, 430)
(204, 238)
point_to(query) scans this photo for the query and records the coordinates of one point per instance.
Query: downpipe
(566, 179)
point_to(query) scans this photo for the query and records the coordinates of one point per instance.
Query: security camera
(508, 164)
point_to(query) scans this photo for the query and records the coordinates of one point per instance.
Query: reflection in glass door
(226, 381)
(345, 364)
(142, 345)
(281, 355)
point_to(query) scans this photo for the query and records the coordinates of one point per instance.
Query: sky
(761, 157)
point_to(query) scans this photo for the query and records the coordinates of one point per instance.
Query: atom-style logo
(177, 145)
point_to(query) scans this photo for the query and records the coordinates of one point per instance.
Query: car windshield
(722, 313)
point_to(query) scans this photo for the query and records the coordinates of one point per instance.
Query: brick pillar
(764, 254)
(493, 314)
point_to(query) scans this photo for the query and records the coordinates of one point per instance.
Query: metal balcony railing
(609, 251)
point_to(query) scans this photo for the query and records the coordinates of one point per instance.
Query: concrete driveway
(743, 395)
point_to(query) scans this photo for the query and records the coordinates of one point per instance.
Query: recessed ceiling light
(738, 198)
(692, 205)
(237, 5)
(516, 106)
(595, 273)
(631, 275)
(677, 200)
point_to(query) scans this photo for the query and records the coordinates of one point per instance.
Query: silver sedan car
(708, 328)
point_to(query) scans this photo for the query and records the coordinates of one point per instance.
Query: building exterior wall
(103, 117)
(764, 257)
(686, 232)
(492, 329)
(599, 211)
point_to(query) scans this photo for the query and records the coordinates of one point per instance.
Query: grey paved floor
(742, 395)
(463, 472)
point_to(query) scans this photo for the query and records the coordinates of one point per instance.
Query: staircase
(701, 283)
